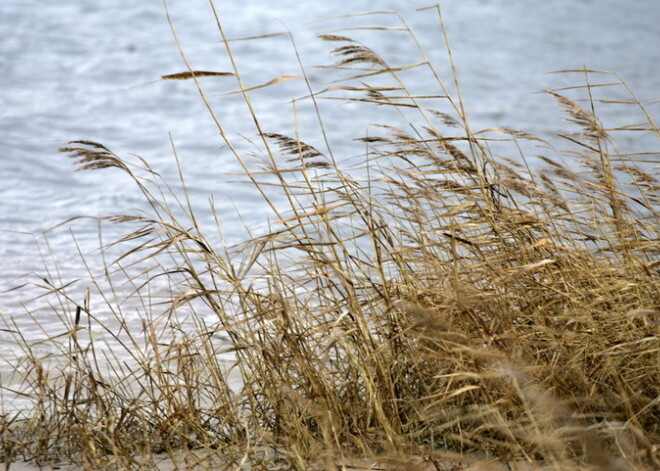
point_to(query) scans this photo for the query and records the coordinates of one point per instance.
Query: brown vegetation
(439, 304)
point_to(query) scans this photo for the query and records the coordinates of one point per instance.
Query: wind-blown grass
(437, 304)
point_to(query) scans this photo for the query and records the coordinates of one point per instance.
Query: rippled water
(71, 69)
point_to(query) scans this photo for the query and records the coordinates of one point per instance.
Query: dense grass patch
(438, 303)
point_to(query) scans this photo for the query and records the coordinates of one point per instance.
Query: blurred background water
(75, 69)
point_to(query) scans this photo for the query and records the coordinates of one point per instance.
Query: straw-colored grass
(437, 307)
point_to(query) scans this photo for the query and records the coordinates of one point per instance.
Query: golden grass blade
(196, 73)
(275, 81)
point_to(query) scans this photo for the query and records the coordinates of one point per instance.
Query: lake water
(75, 69)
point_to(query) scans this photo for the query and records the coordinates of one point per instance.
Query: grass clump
(439, 305)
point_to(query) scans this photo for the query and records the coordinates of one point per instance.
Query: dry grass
(436, 305)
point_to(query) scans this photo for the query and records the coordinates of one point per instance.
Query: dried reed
(436, 305)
